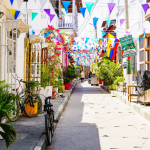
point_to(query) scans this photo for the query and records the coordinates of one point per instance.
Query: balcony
(66, 22)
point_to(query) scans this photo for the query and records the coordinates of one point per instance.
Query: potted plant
(7, 106)
(119, 83)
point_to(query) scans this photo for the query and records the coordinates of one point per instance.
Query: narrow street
(93, 120)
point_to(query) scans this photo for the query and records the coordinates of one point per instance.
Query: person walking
(82, 76)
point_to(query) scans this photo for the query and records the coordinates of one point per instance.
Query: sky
(101, 11)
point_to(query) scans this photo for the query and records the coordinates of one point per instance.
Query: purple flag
(82, 39)
(144, 30)
(127, 33)
(111, 6)
(51, 17)
(121, 22)
(145, 7)
(47, 11)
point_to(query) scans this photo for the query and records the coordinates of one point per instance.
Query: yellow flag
(13, 11)
(110, 36)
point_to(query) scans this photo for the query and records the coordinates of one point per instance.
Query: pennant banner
(13, 12)
(11, 1)
(108, 22)
(111, 6)
(47, 11)
(63, 10)
(29, 11)
(121, 22)
(19, 2)
(66, 5)
(145, 7)
(95, 21)
(16, 14)
(43, 2)
(89, 6)
(34, 15)
(83, 11)
(51, 17)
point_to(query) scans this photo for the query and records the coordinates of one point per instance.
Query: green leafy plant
(119, 79)
(60, 89)
(7, 105)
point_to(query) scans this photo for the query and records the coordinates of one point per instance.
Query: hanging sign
(128, 46)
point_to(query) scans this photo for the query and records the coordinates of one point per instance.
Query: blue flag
(66, 5)
(83, 11)
(95, 21)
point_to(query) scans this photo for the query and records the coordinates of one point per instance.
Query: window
(141, 43)
(141, 55)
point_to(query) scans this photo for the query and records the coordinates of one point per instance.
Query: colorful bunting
(83, 11)
(121, 22)
(51, 17)
(145, 7)
(63, 10)
(111, 6)
(103, 33)
(43, 2)
(19, 2)
(66, 5)
(144, 35)
(29, 11)
(16, 14)
(89, 6)
(11, 1)
(47, 11)
(82, 39)
(95, 21)
(34, 14)
(108, 22)
(45, 35)
(48, 32)
(13, 11)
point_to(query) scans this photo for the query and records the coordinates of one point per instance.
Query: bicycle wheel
(52, 124)
(48, 129)
(32, 107)
(15, 112)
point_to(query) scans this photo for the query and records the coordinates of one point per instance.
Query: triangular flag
(121, 22)
(19, 2)
(11, 1)
(144, 35)
(86, 40)
(82, 39)
(13, 12)
(138, 38)
(89, 6)
(63, 10)
(45, 35)
(66, 5)
(16, 14)
(145, 7)
(35, 1)
(34, 15)
(29, 11)
(111, 6)
(47, 11)
(51, 17)
(48, 32)
(108, 22)
(95, 21)
(43, 2)
(83, 11)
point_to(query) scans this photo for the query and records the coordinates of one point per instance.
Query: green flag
(34, 15)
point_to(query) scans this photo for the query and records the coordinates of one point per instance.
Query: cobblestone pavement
(93, 120)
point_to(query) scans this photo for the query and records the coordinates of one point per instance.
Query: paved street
(93, 120)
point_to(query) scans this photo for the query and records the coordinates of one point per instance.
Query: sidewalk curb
(41, 145)
(137, 107)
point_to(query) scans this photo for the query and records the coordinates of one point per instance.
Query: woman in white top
(82, 76)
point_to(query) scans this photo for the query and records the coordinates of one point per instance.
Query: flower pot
(46, 92)
(66, 86)
(63, 88)
(31, 110)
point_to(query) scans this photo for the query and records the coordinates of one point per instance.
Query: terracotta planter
(100, 81)
(66, 86)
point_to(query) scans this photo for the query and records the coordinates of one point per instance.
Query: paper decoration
(33, 32)
(83, 11)
(121, 22)
(111, 6)
(82, 39)
(48, 32)
(108, 22)
(11, 1)
(34, 15)
(144, 35)
(138, 38)
(66, 5)
(19, 2)
(51, 17)
(47, 11)
(13, 12)
(127, 33)
(144, 30)
(63, 10)
(16, 14)
(145, 7)
(95, 21)
(43, 2)
(89, 6)
(29, 11)
(103, 33)
(86, 40)
(45, 35)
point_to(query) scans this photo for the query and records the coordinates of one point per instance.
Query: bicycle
(27, 100)
(49, 119)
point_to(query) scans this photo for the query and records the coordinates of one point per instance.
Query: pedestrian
(82, 76)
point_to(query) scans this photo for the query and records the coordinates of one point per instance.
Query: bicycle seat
(49, 97)
(15, 89)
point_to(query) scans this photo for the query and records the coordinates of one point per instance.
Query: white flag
(29, 11)
(19, 2)
(43, 2)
